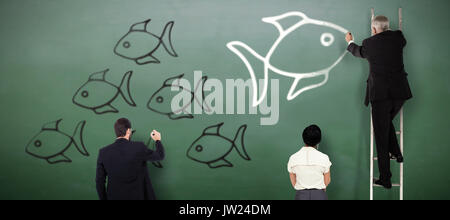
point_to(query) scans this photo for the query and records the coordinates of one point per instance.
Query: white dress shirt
(309, 165)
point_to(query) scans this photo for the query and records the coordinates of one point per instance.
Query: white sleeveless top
(309, 165)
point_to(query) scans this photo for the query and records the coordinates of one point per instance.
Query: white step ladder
(400, 133)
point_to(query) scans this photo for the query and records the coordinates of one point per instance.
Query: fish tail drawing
(238, 142)
(78, 138)
(201, 85)
(124, 88)
(166, 39)
(236, 47)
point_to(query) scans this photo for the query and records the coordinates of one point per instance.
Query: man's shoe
(386, 185)
(398, 158)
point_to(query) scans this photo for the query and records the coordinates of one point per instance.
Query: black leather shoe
(398, 158)
(386, 185)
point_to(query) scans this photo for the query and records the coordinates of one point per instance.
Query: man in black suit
(387, 88)
(125, 164)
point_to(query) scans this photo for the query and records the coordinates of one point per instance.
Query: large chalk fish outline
(266, 60)
(222, 147)
(56, 142)
(139, 43)
(174, 82)
(91, 95)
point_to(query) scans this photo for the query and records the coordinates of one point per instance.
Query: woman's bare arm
(293, 178)
(327, 178)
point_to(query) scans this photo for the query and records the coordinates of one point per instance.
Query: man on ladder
(387, 89)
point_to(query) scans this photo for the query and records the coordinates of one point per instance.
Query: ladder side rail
(400, 24)
(371, 125)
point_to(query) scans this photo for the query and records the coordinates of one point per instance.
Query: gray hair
(381, 23)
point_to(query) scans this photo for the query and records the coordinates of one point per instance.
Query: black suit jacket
(124, 163)
(387, 79)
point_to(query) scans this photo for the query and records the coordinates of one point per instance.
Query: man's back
(387, 79)
(124, 164)
(385, 52)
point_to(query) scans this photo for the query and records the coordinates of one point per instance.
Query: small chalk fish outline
(141, 28)
(292, 94)
(175, 82)
(99, 77)
(214, 132)
(53, 128)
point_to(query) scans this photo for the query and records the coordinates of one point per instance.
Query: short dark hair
(312, 135)
(121, 126)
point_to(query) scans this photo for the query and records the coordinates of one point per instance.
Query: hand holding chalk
(348, 37)
(155, 135)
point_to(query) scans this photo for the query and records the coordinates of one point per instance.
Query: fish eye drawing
(160, 101)
(97, 94)
(50, 143)
(326, 40)
(140, 43)
(211, 148)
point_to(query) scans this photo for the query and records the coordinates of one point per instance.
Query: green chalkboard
(70, 69)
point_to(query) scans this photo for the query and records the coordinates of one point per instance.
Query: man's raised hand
(348, 37)
(156, 136)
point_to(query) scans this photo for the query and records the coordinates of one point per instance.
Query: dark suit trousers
(383, 112)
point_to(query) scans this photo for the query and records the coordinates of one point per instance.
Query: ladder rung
(376, 158)
(394, 184)
(398, 132)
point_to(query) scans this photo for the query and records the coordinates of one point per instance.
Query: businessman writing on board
(387, 88)
(124, 163)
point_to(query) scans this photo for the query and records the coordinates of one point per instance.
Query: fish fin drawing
(140, 26)
(238, 142)
(294, 91)
(78, 138)
(237, 47)
(124, 88)
(169, 81)
(220, 163)
(275, 20)
(176, 117)
(58, 159)
(157, 164)
(213, 130)
(52, 126)
(166, 39)
(105, 109)
(147, 59)
(201, 85)
(98, 76)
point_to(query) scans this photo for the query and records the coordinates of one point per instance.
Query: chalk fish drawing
(139, 43)
(160, 101)
(326, 40)
(51, 143)
(211, 148)
(97, 94)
